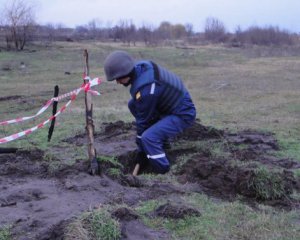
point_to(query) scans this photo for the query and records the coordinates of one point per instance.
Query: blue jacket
(156, 92)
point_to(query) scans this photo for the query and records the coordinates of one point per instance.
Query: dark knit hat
(118, 64)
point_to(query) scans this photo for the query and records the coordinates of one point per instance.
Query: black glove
(139, 144)
(141, 159)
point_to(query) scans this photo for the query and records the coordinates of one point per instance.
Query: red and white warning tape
(73, 94)
(86, 87)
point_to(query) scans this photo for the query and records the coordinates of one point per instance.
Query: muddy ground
(40, 195)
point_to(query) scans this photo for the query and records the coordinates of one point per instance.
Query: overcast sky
(282, 13)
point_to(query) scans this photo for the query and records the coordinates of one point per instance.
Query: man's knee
(146, 138)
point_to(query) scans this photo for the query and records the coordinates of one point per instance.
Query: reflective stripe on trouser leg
(153, 138)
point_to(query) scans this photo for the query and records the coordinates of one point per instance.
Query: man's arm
(145, 103)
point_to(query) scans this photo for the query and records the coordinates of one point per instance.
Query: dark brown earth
(40, 195)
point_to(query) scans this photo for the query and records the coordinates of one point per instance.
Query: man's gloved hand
(139, 144)
(141, 159)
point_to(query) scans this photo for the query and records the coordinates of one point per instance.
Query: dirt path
(37, 201)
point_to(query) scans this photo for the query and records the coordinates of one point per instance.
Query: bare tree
(50, 28)
(131, 33)
(189, 29)
(126, 32)
(81, 32)
(18, 17)
(214, 30)
(146, 34)
(94, 27)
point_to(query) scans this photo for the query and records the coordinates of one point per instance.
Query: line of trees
(18, 27)
(126, 32)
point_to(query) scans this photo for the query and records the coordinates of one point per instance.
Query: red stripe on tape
(19, 119)
(73, 97)
(28, 131)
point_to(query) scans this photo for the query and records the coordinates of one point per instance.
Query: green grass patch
(162, 178)
(148, 206)
(297, 173)
(267, 184)
(95, 224)
(111, 165)
(114, 172)
(226, 221)
(111, 160)
(5, 233)
(289, 147)
(181, 161)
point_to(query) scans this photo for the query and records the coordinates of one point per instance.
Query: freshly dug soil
(39, 196)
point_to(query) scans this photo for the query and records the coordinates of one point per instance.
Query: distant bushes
(215, 32)
(264, 36)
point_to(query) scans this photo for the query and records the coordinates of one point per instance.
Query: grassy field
(236, 89)
(232, 88)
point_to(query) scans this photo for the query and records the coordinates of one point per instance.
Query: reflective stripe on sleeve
(152, 88)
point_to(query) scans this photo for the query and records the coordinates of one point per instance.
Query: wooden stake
(94, 168)
(51, 129)
(136, 169)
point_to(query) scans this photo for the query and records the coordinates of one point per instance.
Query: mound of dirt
(125, 214)
(23, 162)
(200, 132)
(175, 211)
(249, 168)
(247, 152)
(133, 228)
(221, 178)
